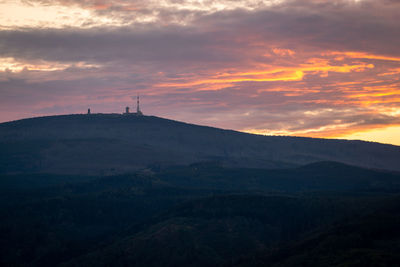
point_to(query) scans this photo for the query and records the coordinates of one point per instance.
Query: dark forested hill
(196, 215)
(114, 190)
(367, 241)
(218, 230)
(113, 143)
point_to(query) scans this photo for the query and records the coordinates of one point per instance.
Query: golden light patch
(388, 135)
(316, 132)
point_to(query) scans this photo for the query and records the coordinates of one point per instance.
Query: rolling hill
(114, 190)
(112, 143)
(182, 216)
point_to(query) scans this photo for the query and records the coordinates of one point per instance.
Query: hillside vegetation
(111, 143)
(196, 215)
(113, 190)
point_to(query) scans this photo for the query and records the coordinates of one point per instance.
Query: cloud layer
(313, 68)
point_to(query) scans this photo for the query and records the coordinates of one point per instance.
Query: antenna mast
(138, 112)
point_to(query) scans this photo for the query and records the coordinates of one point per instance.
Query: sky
(313, 68)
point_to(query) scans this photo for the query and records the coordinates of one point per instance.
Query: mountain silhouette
(114, 143)
(124, 190)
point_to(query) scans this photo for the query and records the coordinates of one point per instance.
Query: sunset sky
(312, 68)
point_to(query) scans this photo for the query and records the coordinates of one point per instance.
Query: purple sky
(308, 68)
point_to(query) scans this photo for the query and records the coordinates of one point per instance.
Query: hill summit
(114, 143)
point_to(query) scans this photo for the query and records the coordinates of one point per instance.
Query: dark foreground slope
(113, 143)
(198, 215)
(259, 231)
(369, 241)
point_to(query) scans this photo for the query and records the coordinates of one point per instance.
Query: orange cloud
(267, 76)
(394, 71)
(360, 55)
(101, 6)
(285, 74)
(283, 52)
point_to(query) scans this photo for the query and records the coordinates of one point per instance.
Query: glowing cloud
(270, 67)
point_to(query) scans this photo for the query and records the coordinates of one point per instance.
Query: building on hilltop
(138, 111)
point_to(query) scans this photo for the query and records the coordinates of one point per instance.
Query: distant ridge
(113, 143)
